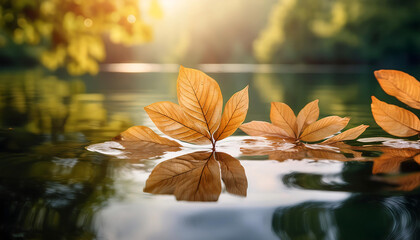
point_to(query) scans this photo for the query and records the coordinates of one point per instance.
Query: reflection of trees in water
(46, 104)
(56, 190)
(340, 94)
(358, 217)
(365, 215)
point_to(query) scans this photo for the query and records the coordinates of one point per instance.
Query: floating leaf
(307, 115)
(323, 128)
(289, 127)
(233, 174)
(142, 133)
(282, 116)
(395, 120)
(192, 177)
(200, 97)
(261, 128)
(233, 115)
(350, 134)
(400, 85)
(135, 151)
(140, 150)
(172, 121)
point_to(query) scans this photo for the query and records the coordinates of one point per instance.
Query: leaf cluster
(305, 127)
(197, 118)
(395, 120)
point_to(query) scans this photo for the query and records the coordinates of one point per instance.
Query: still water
(61, 176)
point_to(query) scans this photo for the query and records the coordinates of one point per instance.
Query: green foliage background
(77, 35)
(341, 31)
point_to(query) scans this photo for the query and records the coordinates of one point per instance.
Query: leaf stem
(213, 143)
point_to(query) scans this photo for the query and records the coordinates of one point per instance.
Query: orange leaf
(200, 97)
(233, 115)
(323, 128)
(233, 174)
(400, 85)
(261, 128)
(172, 121)
(395, 120)
(143, 133)
(191, 177)
(350, 134)
(417, 158)
(387, 164)
(282, 116)
(307, 115)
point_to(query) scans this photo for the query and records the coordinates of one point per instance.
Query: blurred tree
(71, 31)
(341, 31)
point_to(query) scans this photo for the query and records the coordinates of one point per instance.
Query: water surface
(51, 186)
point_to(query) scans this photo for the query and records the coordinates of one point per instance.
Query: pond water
(61, 176)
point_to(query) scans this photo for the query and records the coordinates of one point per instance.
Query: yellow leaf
(282, 116)
(233, 115)
(307, 115)
(143, 133)
(350, 134)
(323, 128)
(233, 174)
(400, 85)
(172, 121)
(395, 120)
(200, 97)
(191, 177)
(260, 128)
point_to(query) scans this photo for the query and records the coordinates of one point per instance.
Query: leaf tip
(117, 138)
(374, 99)
(377, 73)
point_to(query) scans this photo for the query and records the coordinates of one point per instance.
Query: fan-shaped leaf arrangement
(198, 118)
(393, 119)
(304, 127)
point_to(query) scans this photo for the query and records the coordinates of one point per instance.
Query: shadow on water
(358, 217)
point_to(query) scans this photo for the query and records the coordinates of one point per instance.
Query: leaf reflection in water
(389, 165)
(196, 177)
(281, 150)
(391, 159)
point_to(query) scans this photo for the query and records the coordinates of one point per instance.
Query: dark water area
(61, 176)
